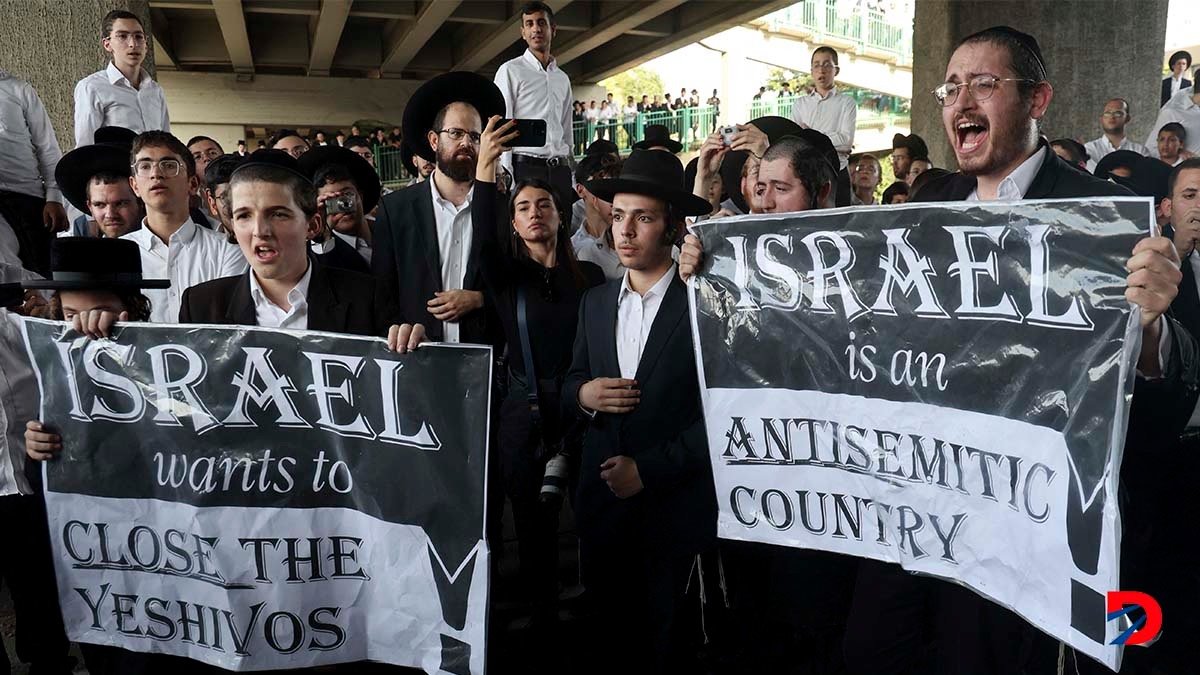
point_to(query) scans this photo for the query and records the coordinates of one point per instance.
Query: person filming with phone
(535, 88)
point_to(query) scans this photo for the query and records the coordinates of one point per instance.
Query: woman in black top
(534, 258)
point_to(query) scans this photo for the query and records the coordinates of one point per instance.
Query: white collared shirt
(19, 396)
(596, 250)
(1100, 147)
(359, 244)
(106, 98)
(193, 256)
(635, 318)
(29, 150)
(834, 115)
(1016, 184)
(533, 92)
(455, 232)
(1176, 83)
(269, 315)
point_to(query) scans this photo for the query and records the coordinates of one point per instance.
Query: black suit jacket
(665, 434)
(407, 266)
(339, 301)
(344, 257)
(1166, 89)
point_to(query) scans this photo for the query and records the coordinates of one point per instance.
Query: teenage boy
(347, 189)
(121, 95)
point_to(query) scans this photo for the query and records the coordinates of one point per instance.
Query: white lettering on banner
(905, 270)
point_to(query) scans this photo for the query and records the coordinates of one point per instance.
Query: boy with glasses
(826, 109)
(121, 95)
(173, 246)
(1113, 121)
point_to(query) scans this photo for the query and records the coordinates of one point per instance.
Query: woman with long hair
(535, 284)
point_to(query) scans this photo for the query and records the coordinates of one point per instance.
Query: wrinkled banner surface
(941, 386)
(261, 499)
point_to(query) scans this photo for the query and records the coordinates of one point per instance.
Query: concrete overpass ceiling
(415, 39)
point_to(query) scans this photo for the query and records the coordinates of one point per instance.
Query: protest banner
(941, 386)
(259, 499)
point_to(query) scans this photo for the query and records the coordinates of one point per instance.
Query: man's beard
(454, 168)
(1006, 141)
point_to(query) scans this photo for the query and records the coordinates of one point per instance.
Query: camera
(554, 480)
(727, 134)
(341, 204)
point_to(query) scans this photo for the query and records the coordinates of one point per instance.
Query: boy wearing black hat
(1179, 63)
(347, 189)
(904, 150)
(645, 505)
(424, 262)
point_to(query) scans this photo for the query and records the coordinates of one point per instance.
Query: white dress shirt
(533, 92)
(359, 244)
(269, 315)
(19, 396)
(454, 232)
(635, 318)
(106, 98)
(193, 256)
(596, 250)
(29, 149)
(1016, 184)
(1100, 147)
(834, 115)
(1180, 109)
(630, 112)
(1176, 83)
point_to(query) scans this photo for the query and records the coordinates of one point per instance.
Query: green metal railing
(689, 126)
(874, 110)
(867, 28)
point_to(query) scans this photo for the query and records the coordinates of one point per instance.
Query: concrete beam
(408, 39)
(620, 23)
(327, 34)
(233, 28)
(163, 58)
(488, 43)
(726, 15)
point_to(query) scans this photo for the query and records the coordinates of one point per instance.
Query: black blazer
(665, 433)
(339, 301)
(344, 257)
(407, 267)
(1166, 89)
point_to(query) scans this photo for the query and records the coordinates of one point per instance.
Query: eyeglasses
(456, 134)
(297, 150)
(981, 86)
(866, 168)
(1113, 113)
(129, 38)
(169, 168)
(210, 154)
(828, 65)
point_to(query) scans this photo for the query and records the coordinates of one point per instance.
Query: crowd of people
(575, 272)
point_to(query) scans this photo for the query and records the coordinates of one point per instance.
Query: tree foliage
(636, 82)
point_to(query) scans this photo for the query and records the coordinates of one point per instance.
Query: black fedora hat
(1114, 160)
(776, 127)
(406, 157)
(658, 136)
(655, 174)
(602, 146)
(108, 154)
(439, 92)
(83, 263)
(363, 173)
(731, 177)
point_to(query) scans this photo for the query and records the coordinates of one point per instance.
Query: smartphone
(727, 134)
(531, 133)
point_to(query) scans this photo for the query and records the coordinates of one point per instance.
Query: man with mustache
(425, 261)
(993, 98)
(95, 180)
(121, 95)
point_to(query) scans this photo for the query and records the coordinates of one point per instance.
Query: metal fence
(866, 27)
(689, 126)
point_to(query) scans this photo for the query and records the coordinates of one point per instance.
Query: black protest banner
(260, 499)
(940, 386)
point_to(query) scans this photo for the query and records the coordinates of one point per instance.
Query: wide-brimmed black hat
(658, 136)
(109, 153)
(776, 127)
(602, 146)
(406, 157)
(731, 177)
(655, 174)
(441, 91)
(1116, 159)
(1149, 178)
(363, 173)
(83, 263)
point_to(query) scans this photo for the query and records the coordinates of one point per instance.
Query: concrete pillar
(53, 44)
(1094, 50)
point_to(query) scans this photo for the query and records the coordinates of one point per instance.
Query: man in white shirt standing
(121, 95)
(1180, 62)
(534, 87)
(826, 109)
(31, 208)
(172, 245)
(1112, 121)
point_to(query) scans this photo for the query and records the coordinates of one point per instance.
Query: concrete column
(1094, 50)
(53, 44)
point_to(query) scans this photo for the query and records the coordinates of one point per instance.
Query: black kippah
(1026, 40)
(276, 158)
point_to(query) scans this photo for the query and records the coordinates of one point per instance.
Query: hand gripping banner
(260, 499)
(941, 386)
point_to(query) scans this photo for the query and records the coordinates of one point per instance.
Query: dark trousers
(558, 176)
(27, 568)
(639, 612)
(901, 623)
(24, 214)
